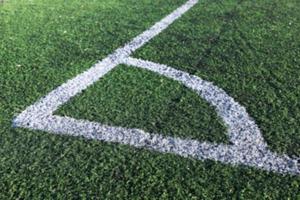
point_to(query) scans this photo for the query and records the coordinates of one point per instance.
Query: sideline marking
(248, 146)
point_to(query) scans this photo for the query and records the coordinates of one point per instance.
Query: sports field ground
(248, 50)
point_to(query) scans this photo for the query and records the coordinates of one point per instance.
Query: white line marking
(248, 146)
(62, 94)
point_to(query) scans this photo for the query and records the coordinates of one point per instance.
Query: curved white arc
(248, 144)
(241, 128)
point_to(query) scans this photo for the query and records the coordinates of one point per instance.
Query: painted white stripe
(62, 94)
(230, 154)
(242, 129)
(248, 146)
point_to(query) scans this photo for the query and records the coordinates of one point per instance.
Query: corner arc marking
(248, 146)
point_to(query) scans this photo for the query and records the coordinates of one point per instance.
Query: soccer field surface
(240, 139)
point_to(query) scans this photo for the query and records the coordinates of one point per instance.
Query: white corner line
(63, 93)
(248, 146)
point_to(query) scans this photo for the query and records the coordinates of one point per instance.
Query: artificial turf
(135, 98)
(247, 48)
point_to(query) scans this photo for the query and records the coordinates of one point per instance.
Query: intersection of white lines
(248, 146)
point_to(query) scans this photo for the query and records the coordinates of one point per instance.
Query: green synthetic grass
(136, 98)
(44, 43)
